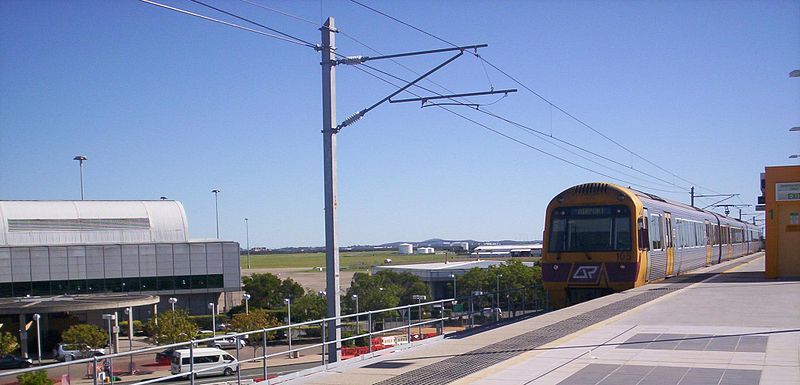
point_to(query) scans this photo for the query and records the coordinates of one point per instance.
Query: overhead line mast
(329, 131)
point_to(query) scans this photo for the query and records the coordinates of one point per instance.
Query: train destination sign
(787, 191)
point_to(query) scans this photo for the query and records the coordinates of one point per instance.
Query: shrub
(38, 377)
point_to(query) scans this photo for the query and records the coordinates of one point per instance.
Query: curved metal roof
(39, 223)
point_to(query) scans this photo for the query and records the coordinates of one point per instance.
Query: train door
(679, 242)
(669, 243)
(709, 234)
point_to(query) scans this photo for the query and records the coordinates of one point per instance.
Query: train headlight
(620, 197)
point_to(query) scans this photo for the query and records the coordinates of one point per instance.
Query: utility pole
(329, 147)
(692, 196)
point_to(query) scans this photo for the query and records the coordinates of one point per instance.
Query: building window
(183, 282)
(131, 284)
(215, 281)
(148, 283)
(166, 283)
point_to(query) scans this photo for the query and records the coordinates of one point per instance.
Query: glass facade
(110, 285)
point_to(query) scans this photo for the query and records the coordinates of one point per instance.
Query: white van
(204, 358)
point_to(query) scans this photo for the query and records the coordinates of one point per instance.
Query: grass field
(353, 261)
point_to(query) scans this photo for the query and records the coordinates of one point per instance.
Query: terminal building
(102, 256)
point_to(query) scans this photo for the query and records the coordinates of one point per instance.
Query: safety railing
(393, 331)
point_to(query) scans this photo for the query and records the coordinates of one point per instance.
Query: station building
(108, 255)
(439, 276)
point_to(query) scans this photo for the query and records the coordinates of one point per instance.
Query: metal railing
(372, 318)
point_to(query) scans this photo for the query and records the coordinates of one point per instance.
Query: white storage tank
(426, 250)
(406, 248)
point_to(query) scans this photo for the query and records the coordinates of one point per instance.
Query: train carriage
(601, 238)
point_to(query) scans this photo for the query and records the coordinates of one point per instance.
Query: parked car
(14, 362)
(69, 352)
(165, 357)
(227, 342)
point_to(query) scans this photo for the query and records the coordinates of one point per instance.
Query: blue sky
(164, 104)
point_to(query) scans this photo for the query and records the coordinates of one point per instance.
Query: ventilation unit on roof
(591, 188)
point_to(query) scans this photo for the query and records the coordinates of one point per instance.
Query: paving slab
(735, 327)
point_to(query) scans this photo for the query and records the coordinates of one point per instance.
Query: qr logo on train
(585, 272)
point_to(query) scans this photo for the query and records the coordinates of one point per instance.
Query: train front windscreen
(590, 229)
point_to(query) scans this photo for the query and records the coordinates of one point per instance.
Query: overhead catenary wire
(292, 39)
(521, 142)
(546, 137)
(307, 43)
(229, 24)
(278, 11)
(533, 92)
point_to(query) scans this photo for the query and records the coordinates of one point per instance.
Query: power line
(229, 24)
(548, 138)
(253, 22)
(533, 92)
(314, 23)
(518, 141)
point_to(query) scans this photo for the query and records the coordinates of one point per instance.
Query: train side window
(655, 232)
(644, 239)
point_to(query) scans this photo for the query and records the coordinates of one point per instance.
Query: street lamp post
(80, 159)
(173, 301)
(358, 330)
(288, 302)
(246, 297)
(129, 313)
(247, 232)
(213, 309)
(110, 318)
(455, 292)
(216, 207)
(36, 318)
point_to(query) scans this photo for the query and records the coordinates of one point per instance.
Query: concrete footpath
(732, 328)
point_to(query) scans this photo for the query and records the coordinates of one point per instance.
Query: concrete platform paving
(734, 328)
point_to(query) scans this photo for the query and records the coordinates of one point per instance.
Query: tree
(268, 291)
(518, 281)
(172, 327)
(309, 307)
(85, 337)
(255, 320)
(38, 377)
(8, 343)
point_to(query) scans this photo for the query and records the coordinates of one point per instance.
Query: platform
(725, 324)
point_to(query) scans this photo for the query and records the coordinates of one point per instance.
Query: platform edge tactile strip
(462, 365)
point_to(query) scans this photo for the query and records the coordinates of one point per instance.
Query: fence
(375, 330)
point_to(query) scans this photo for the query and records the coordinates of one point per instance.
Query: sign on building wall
(787, 191)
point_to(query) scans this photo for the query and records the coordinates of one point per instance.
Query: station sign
(787, 191)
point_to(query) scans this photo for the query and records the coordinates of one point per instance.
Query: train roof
(601, 187)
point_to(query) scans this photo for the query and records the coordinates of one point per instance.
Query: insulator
(352, 119)
(352, 60)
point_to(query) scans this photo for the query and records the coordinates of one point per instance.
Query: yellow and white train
(601, 238)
